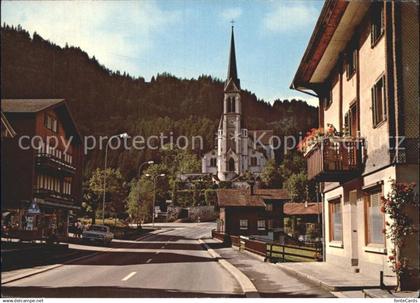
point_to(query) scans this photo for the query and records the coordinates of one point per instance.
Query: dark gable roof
(242, 197)
(274, 194)
(27, 105)
(32, 106)
(327, 23)
(238, 197)
(299, 209)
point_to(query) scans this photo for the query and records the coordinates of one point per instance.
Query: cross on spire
(232, 22)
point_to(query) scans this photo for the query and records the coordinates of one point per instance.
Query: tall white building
(238, 149)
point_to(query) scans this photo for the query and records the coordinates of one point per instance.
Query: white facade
(238, 150)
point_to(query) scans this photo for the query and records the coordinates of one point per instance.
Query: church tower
(230, 143)
(237, 150)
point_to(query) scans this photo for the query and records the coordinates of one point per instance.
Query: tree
(140, 199)
(270, 175)
(115, 191)
(299, 188)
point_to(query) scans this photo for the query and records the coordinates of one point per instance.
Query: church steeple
(232, 73)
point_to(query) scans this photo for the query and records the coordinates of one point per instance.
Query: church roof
(232, 73)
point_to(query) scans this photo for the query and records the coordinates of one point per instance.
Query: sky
(186, 38)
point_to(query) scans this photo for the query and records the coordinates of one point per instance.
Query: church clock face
(231, 121)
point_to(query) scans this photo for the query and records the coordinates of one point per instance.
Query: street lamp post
(139, 175)
(154, 195)
(123, 135)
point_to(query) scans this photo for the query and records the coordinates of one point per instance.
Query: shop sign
(34, 208)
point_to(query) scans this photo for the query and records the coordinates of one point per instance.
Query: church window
(254, 161)
(213, 162)
(231, 164)
(231, 105)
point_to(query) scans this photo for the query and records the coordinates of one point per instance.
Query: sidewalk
(269, 280)
(331, 277)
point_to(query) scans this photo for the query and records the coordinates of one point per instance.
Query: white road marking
(148, 261)
(129, 276)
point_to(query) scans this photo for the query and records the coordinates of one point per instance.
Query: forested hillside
(105, 102)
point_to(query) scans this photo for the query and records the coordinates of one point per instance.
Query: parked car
(98, 233)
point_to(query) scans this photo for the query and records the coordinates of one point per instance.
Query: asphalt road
(168, 264)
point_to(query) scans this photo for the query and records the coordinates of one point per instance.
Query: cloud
(231, 13)
(288, 16)
(116, 33)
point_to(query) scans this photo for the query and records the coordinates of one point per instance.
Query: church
(238, 149)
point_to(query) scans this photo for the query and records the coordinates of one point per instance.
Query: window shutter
(372, 33)
(373, 106)
(346, 122)
(384, 99)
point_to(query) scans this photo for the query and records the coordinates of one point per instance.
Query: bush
(210, 197)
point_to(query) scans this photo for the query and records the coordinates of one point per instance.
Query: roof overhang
(334, 29)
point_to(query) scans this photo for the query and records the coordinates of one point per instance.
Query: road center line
(148, 261)
(129, 276)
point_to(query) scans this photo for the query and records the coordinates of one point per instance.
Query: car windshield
(98, 228)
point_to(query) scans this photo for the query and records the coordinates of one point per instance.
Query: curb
(247, 286)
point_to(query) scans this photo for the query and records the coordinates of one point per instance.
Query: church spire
(232, 73)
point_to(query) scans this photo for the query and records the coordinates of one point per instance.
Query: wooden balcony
(54, 196)
(55, 164)
(335, 160)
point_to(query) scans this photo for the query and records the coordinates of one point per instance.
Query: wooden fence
(273, 252)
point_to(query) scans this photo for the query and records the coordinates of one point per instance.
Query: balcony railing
(52, 194)
(52, 162)
(335, 160)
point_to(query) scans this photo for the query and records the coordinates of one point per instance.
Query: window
(51, 123)
(350, 121)
(243, 224)
(244, 132)
(269, 207)
(254, 161)
(231, 104)
(374, 218)
(378, 102)
(231, 165)
(213, 162)
(270, 224)
(351, 63)
(336, 220)
(328, 99)
(261, 224)
(377, 23)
